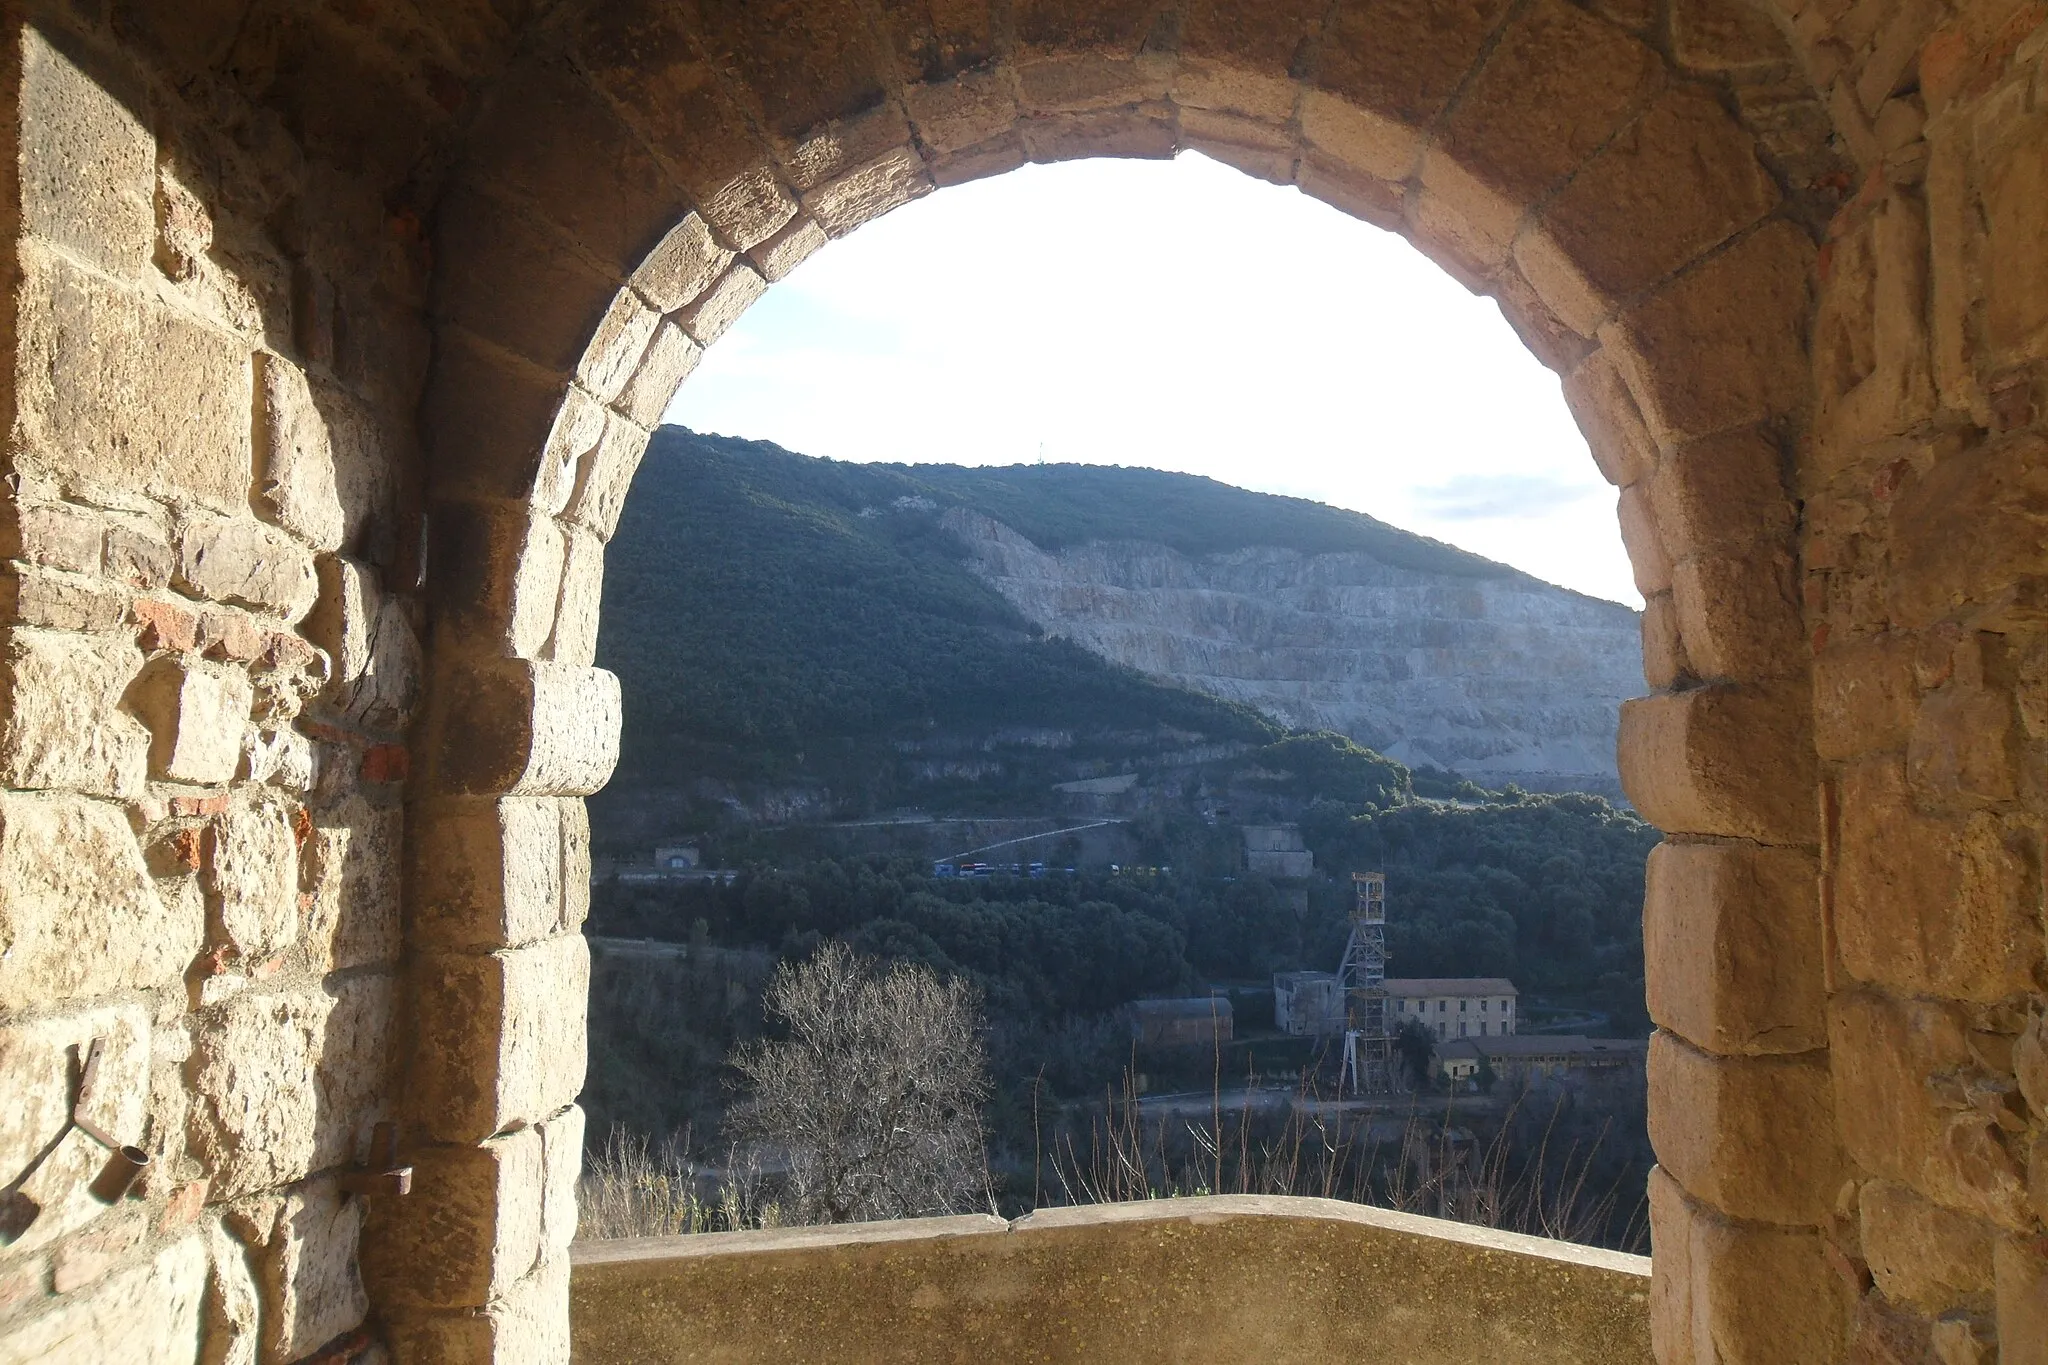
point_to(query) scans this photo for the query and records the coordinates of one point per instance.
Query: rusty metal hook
(19, 1210)
(381, 1175)
(128, 1162)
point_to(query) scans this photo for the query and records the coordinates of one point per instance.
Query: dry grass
(634, 1189)
(1539, 1173)
(1534, 1174)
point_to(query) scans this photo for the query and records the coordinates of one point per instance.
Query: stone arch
(313, 306)
(647, 181)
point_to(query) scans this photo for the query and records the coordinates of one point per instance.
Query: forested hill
(893, 635)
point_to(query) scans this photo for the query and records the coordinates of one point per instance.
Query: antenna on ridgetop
(1041, 452)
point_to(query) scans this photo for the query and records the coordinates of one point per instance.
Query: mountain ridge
(1499, 678)
(783, 621)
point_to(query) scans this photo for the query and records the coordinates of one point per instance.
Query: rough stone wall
(209, 657)
(1923, 555)
(1871, 1174)
(333, 337)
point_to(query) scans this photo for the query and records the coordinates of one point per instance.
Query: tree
(1417, 1045)
(873, 1098)
(1485, 1076)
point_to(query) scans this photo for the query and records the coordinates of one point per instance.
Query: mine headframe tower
(1368, 1027)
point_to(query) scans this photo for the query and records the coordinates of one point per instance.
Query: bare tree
(874, 1096)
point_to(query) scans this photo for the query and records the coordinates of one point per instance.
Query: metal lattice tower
(1368, 1029)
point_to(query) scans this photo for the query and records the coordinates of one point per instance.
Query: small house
(677, 858)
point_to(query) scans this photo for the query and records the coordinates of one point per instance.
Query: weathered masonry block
(527, 729)
(40, 1058)
(284, 1082)
(496, 1213)
(1722, 760)
(151, 402)
(1732, 941)
(1725, 1290)
(499, 874)
(196, 712)
(151, 1310)
(501, 1037)
(335, 340)
(80, 914)
(1893, 862)
(251, 875)
(1753, 1136)
(301, 1250)
(64, 728)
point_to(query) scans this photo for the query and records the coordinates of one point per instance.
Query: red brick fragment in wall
(184, 1205)
(282, 649)
(166, 625)
(187, 847)
(328, 734)
(385, 763)
(198, 807)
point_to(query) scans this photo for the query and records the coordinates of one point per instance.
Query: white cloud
(1182, 316)
(1498, 497)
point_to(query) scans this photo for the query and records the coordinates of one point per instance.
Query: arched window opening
(1051, 622)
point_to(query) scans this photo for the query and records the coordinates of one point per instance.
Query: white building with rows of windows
(1312, 1004)
(1455, 1006)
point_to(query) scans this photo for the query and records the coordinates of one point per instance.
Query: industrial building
(1196, 1021)
(1534, 1056)
(1311, 1004)
(1456, 1006)
(1308, 1004)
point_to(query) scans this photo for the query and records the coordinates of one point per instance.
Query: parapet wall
(1231, 1276)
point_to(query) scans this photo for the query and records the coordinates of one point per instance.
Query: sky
(1176, 315)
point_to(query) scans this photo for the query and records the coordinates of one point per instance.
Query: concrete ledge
(1242, 1276)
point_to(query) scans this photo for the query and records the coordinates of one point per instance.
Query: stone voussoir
(1735, 761)
(1732, 945)
(511, 727)
(501, 1037)
(1752, 1136)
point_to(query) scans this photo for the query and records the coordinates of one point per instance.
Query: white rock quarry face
(1501, 678)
